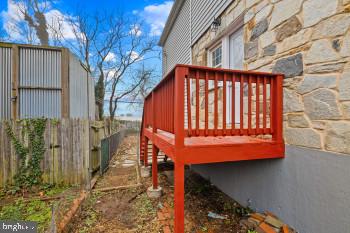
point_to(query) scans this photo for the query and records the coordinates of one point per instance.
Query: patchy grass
(90, 213)
(14, 207)
(53, 190)
(145, 206)
(252, 231)
(37, 211)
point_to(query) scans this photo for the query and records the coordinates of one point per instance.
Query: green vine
(29, 173)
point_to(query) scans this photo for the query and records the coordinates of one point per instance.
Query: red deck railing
(205, 115)
(216, 102)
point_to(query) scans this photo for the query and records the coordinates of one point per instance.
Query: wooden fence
(72, 151)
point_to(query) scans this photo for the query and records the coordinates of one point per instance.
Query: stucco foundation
(309, 189)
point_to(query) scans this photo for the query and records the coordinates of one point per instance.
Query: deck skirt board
(212, 149)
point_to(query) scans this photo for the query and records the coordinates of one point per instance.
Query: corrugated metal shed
(39, 83)
(43, 82)
(78, 91)
(92, 104)
(5, 82)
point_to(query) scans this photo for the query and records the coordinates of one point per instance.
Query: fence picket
(72, 147)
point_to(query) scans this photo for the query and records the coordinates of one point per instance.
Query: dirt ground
(130, 210)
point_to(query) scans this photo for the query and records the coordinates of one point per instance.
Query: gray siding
(194, 18)
(203, 13)
(39, 83)
(177, 48)
(78, 89)
(5, 82)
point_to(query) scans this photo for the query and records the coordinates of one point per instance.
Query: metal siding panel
(5, 82)
(39, 68)
(178, 43)
(44, 103)
(91, 98)
(78, 85)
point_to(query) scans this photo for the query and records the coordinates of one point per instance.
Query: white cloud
(11, 18)
(110, 57)
(13, 22)
(134, 55)
(135, 30)
(156, 16)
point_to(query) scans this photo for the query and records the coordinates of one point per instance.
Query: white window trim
(224, 42)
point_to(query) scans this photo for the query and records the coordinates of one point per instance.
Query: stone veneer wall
(308, 41)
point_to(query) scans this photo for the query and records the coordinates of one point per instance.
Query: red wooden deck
(202, 131)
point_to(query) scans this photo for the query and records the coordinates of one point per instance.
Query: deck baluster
(189, 115)
(233, 103)
(197, 103)
(241, 96)
(249, 105)
(224, 106)
(257, 114)
(206, 103)
(216, 112)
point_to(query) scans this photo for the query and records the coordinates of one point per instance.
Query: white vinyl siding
(177, 48)
(203, 14)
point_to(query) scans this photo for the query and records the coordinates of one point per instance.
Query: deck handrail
(193, 101)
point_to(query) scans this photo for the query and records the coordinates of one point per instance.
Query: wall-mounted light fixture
(215, 24)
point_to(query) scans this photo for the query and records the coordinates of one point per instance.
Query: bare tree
(126, 55)
(33, 12)
(111, 45)
(150, 78)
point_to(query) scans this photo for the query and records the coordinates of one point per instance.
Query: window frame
(214, 56)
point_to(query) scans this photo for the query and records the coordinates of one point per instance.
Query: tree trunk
(100, 95)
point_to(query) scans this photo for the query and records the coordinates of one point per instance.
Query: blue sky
(152, 12)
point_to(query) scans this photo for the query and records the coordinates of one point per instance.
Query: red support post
(155, 151)
(179, 105)
(145, 151)
(179, 202)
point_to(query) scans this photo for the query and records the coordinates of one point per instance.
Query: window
(216, 57)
